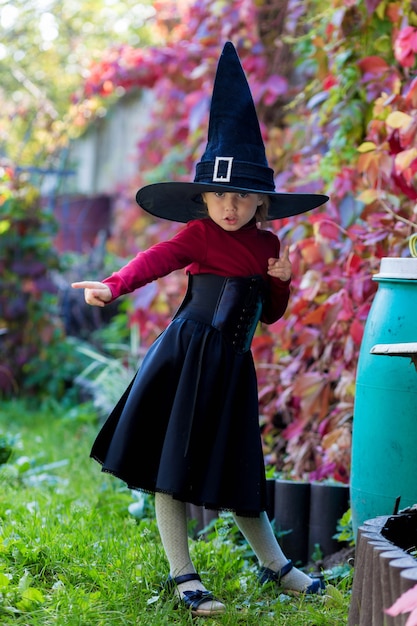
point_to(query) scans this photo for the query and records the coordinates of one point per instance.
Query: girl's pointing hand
(96, 294)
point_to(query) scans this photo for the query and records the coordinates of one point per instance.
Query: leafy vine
(337, 100)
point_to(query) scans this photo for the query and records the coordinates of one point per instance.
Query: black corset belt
(231, 305)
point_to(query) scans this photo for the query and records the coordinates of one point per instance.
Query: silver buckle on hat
(218, 178)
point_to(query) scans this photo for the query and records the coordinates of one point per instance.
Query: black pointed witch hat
(234, 159)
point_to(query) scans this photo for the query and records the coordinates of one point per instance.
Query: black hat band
(228, 171)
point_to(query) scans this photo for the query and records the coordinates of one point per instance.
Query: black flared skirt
(188, 423)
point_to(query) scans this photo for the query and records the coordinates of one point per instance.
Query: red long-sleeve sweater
(203, 247)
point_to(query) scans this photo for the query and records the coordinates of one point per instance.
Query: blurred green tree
(46, 46)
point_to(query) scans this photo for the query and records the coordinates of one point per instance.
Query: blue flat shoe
(267, 575)
(194, 599)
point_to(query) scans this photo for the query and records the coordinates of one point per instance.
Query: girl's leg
(260, 535)
(172, 525)
(171, 518)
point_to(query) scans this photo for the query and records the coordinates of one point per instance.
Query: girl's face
(232, 210)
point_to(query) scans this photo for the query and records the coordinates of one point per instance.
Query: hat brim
(181, 202)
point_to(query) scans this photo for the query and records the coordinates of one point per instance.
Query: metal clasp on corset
(231, 305)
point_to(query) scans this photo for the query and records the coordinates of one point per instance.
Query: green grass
(72, 554)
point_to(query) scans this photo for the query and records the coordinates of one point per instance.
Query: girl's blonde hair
(262, 210)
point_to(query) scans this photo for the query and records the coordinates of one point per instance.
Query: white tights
(172, 524)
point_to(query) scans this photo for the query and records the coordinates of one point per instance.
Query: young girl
(187, 428)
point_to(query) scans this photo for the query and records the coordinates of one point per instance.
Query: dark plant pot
(292, 509)
(200, 516)
(196, 515)
(328, 503)
(270, 498)
(208, 516)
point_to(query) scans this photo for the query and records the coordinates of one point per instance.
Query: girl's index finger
(286, 254)
(87, 284)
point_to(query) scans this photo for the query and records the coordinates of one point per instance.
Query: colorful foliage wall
(335, 88)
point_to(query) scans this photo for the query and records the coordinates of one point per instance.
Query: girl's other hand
(95, 293)
(281, 268)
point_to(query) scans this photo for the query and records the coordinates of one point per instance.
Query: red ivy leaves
(306, 362)
(405, 46)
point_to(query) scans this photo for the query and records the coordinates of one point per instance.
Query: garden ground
(72, 554)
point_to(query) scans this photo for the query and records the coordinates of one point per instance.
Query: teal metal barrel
(384, 440)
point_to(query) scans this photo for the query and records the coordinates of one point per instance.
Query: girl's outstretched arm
(95, 293)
